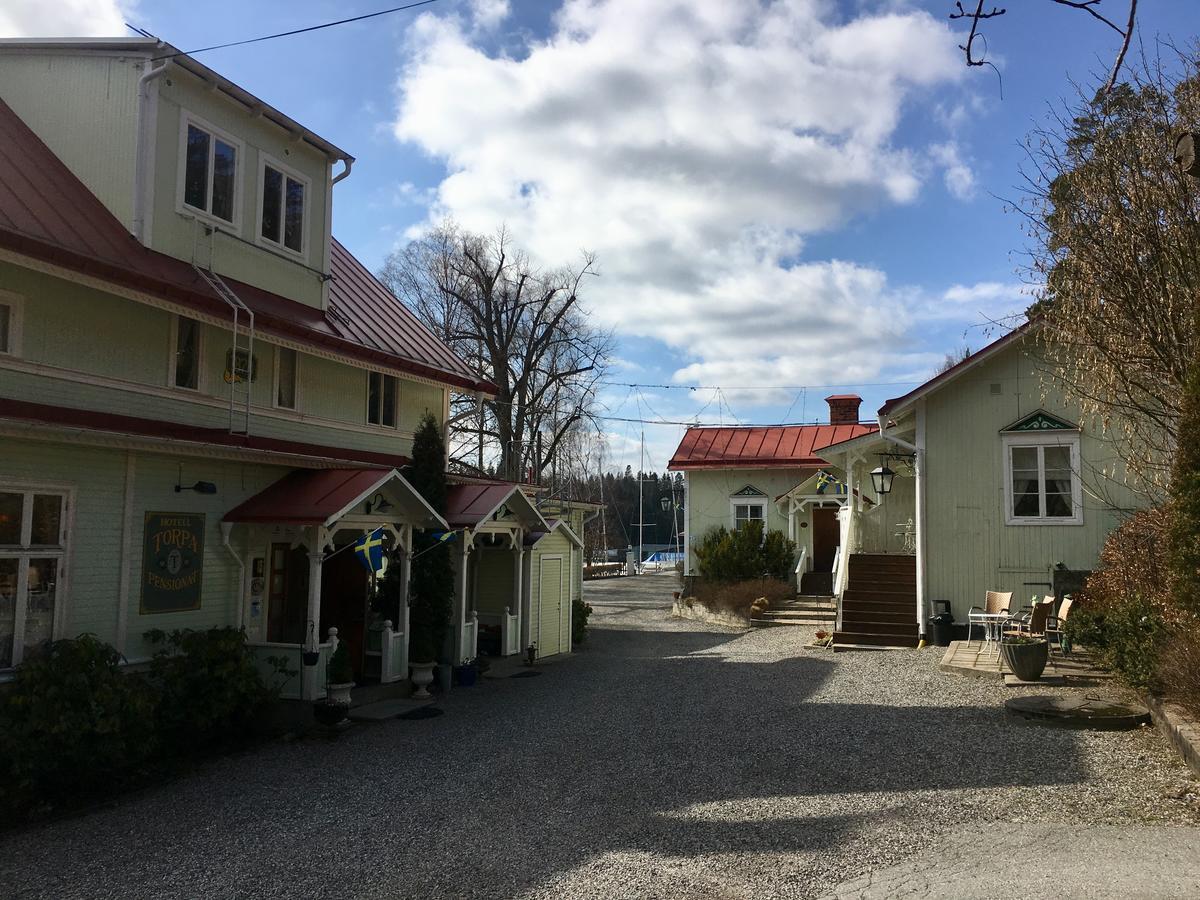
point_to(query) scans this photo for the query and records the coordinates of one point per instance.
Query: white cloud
(957, 173)
(63, 18)
(693, 146)
(487, 14)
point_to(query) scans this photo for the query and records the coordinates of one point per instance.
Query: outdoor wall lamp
(378, 504)
(200, 487)
(881, 479)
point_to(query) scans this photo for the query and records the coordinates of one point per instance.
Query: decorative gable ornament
(749, 491)
(1040, 421)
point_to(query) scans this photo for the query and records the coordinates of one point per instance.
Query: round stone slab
(1079, 712)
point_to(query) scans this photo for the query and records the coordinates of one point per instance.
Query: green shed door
(550, 609)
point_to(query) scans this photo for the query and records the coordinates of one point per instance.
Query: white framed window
(283, 196)
(33, 544)
(210, 166)
(12, 308)
(748, 511)
(287, 364)
(1041, 479)
(382, 398)
(187, 354)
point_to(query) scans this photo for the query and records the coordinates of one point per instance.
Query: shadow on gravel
(626, 747)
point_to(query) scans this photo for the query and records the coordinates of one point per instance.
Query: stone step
(814, 604)
(853, 640)
(798, 621)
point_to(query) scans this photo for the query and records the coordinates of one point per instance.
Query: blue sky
(798, 192)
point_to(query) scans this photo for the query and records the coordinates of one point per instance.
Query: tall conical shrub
(432, 584)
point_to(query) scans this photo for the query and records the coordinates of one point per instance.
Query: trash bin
(941, 626)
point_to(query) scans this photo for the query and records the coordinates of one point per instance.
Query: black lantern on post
(881, 479)
(665, 502)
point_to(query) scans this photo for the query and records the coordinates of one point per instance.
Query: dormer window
(283, 207)
(210, 171)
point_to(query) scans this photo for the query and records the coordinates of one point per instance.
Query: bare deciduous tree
(978, 11)
(1116, 229)
(526, 331)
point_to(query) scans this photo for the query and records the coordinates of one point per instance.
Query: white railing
(510, 633)
(393, 651)
(291, 688)
(470, 638)
(801, 566)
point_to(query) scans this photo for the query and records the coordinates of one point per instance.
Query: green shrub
(580, 611)
(340, 669)
(72, 725)
(1179, 665)
(209, 688)
(1126, 637)
(744, 554)
(432, 579)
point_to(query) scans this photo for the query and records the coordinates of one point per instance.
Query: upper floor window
(285, 377)
(210, 171)
(1042, 485)
(10, 324)
(283, 208)
(186, 354)
(382, 391)
(33, 527)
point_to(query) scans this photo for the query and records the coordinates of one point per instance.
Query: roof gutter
(143, 169)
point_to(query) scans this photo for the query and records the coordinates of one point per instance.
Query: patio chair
(994, 604)
(1031, 620)
(1056, 627)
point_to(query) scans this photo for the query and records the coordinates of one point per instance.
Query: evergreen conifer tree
(432, 584)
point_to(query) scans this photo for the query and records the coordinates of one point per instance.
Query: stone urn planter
(339, 693)
(1026, 657)
(422, 677)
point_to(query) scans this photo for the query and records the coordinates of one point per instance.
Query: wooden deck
(981, 660)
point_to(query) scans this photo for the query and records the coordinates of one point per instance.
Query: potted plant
(340, 676)
(423, 657)
(467, 673)
(1025, 656)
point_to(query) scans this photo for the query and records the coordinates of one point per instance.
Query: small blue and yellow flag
(825, 480)
(368, 550)
(442, 536)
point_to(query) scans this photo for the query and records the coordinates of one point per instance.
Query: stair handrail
(801, 564)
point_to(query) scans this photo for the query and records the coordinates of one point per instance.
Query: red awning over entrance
(314, 496)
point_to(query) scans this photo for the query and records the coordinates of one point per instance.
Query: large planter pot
(465, 675)
(329, 714)
(1027, 661)
(339, 693)
(422, 678)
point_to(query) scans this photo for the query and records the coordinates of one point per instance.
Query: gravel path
(667, 759)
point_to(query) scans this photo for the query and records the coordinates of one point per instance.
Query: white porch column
(518, 598)
(406, 543)
(919, 518)
(687, 526)
(312, 676)
(461, 594)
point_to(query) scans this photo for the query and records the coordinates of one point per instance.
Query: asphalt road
(664, 759)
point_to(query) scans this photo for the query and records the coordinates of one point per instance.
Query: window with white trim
(33, 525)
(283, 208)
(748, 512)
(210, 171)
(382, 393)
(11, 308)
(186, 353)
(286, 364)
(1042, 483)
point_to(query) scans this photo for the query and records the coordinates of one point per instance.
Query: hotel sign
(172, 562)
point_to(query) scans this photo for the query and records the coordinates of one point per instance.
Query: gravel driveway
(666, 759)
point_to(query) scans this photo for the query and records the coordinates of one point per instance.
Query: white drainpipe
(226, 532)
(918, 451)
(143, 170)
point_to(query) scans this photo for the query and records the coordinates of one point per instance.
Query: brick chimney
(843, 409)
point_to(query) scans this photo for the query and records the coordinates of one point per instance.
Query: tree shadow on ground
(680, 743)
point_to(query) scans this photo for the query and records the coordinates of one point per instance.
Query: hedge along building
(777, 475)
(1006, 487)
(203, 395)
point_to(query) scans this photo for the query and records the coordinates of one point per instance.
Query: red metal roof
(760, 446)
(49, 214)
(109, 423)
(308, 496)
(469, 504)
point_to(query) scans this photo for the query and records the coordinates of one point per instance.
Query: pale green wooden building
(205, 400)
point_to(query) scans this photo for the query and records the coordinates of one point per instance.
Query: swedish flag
(368, 550)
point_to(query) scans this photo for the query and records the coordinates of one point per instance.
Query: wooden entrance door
(344, 603)
(287, 598)
(550, 595)
(825, 537)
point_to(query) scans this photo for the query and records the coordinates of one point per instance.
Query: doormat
(527, 673)
(422, 712)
